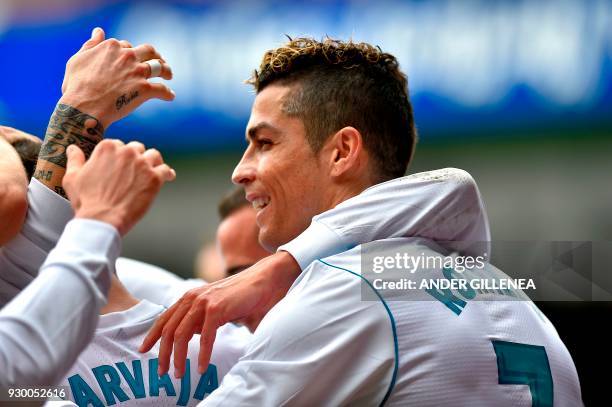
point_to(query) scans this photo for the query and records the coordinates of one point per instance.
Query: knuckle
(203, 301)
(181, 335)
(213, 307)
(141, 70)
(148, 48)
(105, 145)
(129, 53)
(168, 332)
(129, 152)
(113, 43)
(156, 182)
(128, 56)
(146, 86)
(191, 295)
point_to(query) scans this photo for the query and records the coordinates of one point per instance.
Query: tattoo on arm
(125, 99)
(60, 191)
(67, 126)
(44, 175)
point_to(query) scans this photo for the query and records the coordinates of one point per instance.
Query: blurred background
(518, 93)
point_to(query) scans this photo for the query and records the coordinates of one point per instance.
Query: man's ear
(347, 155)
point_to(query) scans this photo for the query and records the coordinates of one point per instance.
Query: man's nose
(244, 173)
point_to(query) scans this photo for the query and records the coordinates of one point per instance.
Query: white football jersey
(335, 340)
(112, 371)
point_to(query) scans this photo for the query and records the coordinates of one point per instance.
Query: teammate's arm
(45, 327)
(442, 205)
(104, 82)
(302, 353)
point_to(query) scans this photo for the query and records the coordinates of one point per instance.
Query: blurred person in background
(208, 265)
(238, 233)
(238, 241)
(236, 246)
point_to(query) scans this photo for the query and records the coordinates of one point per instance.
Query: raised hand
(117, 184)
(107, 79)
(104, 81)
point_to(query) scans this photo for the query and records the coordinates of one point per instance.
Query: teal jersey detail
(393, 328)
(110, 379)
(518, 363)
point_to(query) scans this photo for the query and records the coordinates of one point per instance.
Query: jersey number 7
(518, 363)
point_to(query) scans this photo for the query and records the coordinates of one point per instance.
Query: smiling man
(332, 121)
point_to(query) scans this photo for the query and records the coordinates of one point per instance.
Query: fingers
(159, 91)
(114, 141)
(167, 337)
(76, 159)
(207, 339)
(125, 44)
(97, 36)
(164, 172)
(158, 68)
(136, 145)
(146, 52)
(156, 331)
(153, 157)
(183, 334)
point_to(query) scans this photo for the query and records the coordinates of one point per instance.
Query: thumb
(76, 159)
(97, 36)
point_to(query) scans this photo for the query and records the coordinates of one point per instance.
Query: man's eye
(263, 143)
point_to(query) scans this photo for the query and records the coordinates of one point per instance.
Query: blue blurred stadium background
(519, 93)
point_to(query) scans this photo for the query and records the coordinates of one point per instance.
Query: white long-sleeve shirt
(46, 326)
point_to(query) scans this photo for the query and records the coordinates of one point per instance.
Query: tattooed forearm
(44, 175)
(125, 99)
(67, 126)
(60, 191)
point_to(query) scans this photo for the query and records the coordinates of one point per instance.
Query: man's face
(283, 179)
(237, 237)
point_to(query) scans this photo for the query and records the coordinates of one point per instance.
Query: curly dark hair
(343, 83)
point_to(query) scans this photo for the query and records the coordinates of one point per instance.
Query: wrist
(102, 215)
(88, 105)
(284, 268)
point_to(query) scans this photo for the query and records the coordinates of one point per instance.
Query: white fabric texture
(329, 344)
(111, 369)
(46, 326)
(442, 205)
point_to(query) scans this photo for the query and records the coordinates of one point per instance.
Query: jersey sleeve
(442, 205)
(22, 257)
(46, 326)
(320, 345)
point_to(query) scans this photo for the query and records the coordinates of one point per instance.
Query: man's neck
(119, 299)
(345, 192)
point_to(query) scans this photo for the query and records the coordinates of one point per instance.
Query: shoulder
(326, 301)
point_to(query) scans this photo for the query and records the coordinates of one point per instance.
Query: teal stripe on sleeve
(393, 328)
